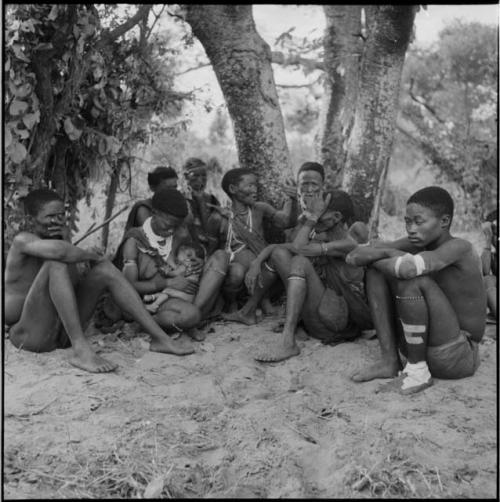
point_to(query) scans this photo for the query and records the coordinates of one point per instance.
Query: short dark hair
(193, 163)
(233, 177)
(435, 198)
(312, 166)
(341, 201)
(170, 201)
(160, 173)
(35, 199)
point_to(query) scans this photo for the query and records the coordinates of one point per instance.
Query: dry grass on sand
(219, 424)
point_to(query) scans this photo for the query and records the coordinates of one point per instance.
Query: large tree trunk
(343, 44)
(370, 140)
(242, 63)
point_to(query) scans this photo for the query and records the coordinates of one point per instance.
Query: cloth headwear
(193, 163)
(170, 201)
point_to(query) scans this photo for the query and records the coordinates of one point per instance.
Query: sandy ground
(219, 424)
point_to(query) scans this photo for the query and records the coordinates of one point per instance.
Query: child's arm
(53, 249)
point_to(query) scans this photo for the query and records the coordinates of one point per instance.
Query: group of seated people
(184, 259)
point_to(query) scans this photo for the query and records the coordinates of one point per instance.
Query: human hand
(194, 267)
(181, 283)
(97, 254)
(252, 276)
(290, 189)
(315, 204)
(359, 256)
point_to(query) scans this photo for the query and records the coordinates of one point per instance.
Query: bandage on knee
(415, 259)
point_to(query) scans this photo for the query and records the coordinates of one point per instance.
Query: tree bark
(343, 48)
(242, 63)
(369, 143)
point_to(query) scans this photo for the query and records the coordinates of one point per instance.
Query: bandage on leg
(296, 278)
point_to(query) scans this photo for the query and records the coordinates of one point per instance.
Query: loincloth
(456, 359)
(330, 318)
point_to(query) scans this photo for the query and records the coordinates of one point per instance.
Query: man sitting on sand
(426, 296)
(48, 303)
(240, 229)
(322, 290)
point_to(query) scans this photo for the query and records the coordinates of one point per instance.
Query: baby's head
(188, 251)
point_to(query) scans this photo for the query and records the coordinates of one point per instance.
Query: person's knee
(280, 255)
(299, 265)
(220, 259)
(411, 287)
(105, 270)
(236, 275)
(56, 266)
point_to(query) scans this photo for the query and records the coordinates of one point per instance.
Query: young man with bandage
(426, 296)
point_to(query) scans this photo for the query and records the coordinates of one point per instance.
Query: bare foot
(380, 369)
(301, 334)
(267, 307)
(196, 334)
(88, 360)
(278, 353)
(179, 347)
(248, 319)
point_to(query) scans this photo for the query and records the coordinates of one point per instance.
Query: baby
(186, 255)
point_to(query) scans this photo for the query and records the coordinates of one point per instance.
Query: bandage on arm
(409, 266)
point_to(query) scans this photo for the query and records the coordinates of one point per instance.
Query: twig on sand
(31, 413)
(438, 478)
(305, 435)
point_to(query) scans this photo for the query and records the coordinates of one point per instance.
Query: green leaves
(72, 132)
(17, 107)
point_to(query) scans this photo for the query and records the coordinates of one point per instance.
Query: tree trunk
(242, 63)
(343, 46)
(110, 203)
(370, 140)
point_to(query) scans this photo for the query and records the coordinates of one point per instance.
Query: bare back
(462, 284)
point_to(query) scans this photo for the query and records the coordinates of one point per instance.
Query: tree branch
(203, 65)
(423, 103)
(109, 36)
(280, 58)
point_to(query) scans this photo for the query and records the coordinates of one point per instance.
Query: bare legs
(211, 281)
(303, 290)
(105, 276)
(384, 320)
(426, 317)
(52, 297)
(490, 284)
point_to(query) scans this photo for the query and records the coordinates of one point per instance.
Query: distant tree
(450, 98)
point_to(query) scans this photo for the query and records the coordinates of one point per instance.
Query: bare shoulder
(22, 240)
(264, 208)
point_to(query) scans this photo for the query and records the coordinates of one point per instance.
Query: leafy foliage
(451, 97)
(85, 84)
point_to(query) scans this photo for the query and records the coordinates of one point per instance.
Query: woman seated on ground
(143, 259)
